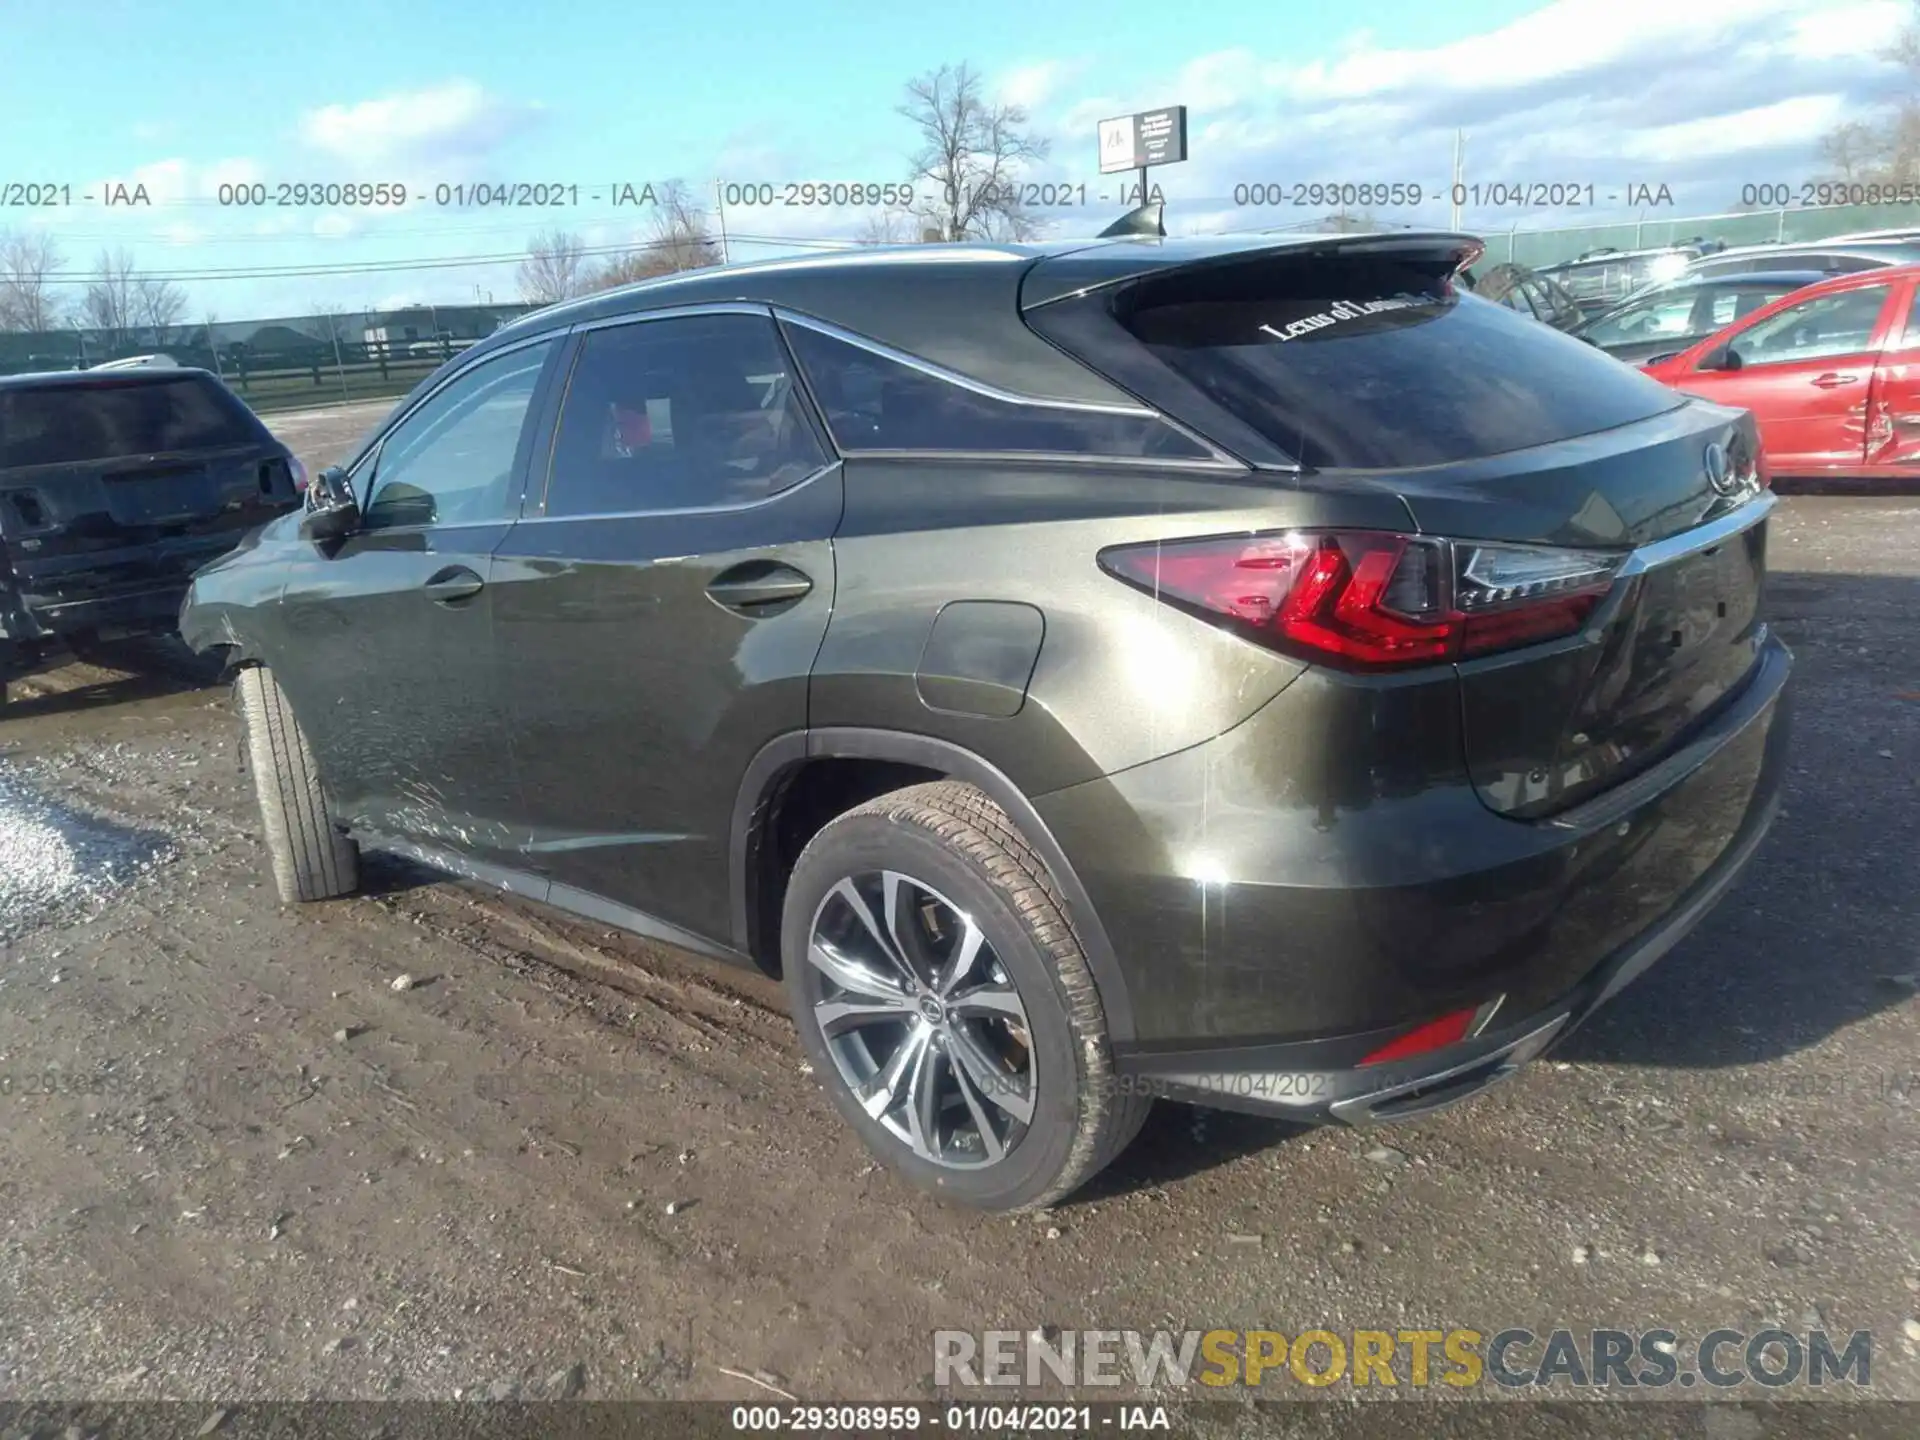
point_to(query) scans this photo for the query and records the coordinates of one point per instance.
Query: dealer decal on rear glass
(1346, 310)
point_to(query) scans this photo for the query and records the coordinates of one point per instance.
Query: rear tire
(309, 858)
(1012, 1042)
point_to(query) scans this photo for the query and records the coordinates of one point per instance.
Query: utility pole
(720, 214)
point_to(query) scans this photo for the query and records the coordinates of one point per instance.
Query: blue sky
(1699, 95)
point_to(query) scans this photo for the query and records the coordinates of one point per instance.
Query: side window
(874, 402)
(451, 462)
(1910, 340)
(1839, 324)
(680, 414)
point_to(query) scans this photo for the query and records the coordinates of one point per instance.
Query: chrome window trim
(673, 312)
(953, 377)
(1052, 457)
(1220, 461)
(1701, 537)
(543, 518)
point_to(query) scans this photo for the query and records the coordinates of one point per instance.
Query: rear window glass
(114, 422)
(1371, 364)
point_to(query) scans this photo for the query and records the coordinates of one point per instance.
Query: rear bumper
(1268, 949)
(1279, 1080)
(151, 611)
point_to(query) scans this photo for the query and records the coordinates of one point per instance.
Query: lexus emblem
(1718, 475)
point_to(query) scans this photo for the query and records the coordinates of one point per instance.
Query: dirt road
(237, 1162)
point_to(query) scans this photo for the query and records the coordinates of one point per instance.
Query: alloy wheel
(924, 1024)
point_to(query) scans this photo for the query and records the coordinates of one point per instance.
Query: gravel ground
(238, 1163)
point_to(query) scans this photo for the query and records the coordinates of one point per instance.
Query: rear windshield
(1365, 363)
(56, 426)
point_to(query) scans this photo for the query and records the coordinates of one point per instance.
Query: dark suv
(1250, 672)
(115, 486)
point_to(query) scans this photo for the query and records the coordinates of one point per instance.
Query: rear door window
(95, 421)
(1367, 363)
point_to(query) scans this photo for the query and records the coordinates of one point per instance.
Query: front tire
(946, 1004)
(309, 857)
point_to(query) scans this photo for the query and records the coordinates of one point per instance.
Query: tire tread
(309, 858)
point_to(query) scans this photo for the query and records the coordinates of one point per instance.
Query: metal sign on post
(1149, 137)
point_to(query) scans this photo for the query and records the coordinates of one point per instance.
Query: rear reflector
(1434, 1035)
(1368, 599)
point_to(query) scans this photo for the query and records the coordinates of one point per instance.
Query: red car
(1831, 372)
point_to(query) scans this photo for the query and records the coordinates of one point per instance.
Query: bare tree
(28, 263)
(678, 237)
(107, 303)
(1851, 150)
(895, 227)
(157, 305)
(1887, 150)
(555, 268)
(972, 152)
(211, 321)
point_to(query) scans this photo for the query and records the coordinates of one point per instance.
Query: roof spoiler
(1146, 220)
(1093, 265)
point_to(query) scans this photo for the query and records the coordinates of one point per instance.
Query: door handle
(453, 584)
(757, 586)
(1831, 381)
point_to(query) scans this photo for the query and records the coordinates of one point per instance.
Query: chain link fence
(1537, 248)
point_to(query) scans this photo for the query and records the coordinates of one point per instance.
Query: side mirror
(1721, 357)
(331, 509)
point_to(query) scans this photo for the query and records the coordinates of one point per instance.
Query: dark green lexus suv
(1249, 672)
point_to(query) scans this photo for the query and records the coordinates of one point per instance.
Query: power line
(381, 232)
(452, 262)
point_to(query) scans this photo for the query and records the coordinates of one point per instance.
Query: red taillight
(299, 473)
(1372, 599)
(1434, 1035)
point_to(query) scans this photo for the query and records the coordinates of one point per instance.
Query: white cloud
(334, 225)
(165, 181)
(234, 171)
(1030, 86)
(1701, 95)
(458, 120)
